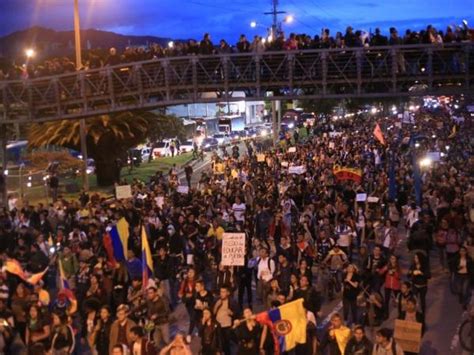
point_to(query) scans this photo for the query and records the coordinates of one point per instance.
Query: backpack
(394, 347)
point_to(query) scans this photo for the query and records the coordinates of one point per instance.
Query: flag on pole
(378, 134)
(287, 324)
(119, 235)
(147, 262)
(33, 279)
(14, 267)
(109, 248)
(64, 283)
(454, 131)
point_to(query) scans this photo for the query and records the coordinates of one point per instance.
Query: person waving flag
(147, 262)
(378, 134)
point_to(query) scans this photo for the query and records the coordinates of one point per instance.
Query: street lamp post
(82, 126)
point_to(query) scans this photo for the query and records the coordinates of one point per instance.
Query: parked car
(161, 149)
(186, 146)
(209, 144)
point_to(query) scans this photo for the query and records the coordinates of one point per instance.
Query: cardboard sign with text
(122, 192)
(261, 158)
(233, 249)
(408, 335)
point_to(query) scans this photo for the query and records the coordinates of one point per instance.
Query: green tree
(109, 137)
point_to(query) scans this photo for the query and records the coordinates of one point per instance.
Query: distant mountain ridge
(50, 42)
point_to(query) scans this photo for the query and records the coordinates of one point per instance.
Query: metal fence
(306, 74)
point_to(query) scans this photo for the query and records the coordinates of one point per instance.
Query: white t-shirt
(239, 211)
(263, 271)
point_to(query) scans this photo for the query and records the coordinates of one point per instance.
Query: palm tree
(109, 137)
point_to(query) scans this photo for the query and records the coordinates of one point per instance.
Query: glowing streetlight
(30, 53)
(425, 162)
(253, 24)
(170, 44)
(289, 19)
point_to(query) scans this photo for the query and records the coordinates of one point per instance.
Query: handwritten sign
(183, 189)
(261, 158)
(122, 192)
(292, 150)
(298, 170)
(373, 199)
(408, 335)
(233, 249)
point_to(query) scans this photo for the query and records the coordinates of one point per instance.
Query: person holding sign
(411, 314)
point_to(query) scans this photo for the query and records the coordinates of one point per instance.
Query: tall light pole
(82, 126)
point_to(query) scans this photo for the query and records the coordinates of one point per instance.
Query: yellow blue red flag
(147, 262)
(287, 323)
(119, 235)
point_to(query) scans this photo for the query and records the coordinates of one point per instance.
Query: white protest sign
(331, 145)
(233, 249)
(284, 164)
(124, 191)
(373, 199)
(434, 156)
(292, 150)
(298, 170)
(183, 189)
(362, 197)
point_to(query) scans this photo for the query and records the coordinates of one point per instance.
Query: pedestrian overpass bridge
(390, 71)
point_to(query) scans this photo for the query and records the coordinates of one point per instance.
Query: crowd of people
(350, 39)
(308, 236)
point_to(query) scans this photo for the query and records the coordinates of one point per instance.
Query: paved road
(444, 313)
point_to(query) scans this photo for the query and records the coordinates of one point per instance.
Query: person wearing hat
(120, 331)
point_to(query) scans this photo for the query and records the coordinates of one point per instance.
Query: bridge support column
(85, 177)
(276, 119)
(3, 154)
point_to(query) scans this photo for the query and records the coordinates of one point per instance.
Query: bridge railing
(308, 73)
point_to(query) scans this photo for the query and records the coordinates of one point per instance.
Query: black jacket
(362, 348)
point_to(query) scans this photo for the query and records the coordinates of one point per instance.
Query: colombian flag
(14, 267)
(344, 173)
(119, 235)
(147, 262)
(378, 134)
(64, 283)
(287, 324)
(33, 279)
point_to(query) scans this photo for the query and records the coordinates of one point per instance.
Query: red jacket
(392, 281)
(272, 228)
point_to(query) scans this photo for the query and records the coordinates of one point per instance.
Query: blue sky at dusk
(227, 19)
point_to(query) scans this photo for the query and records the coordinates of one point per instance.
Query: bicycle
(466, 334)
